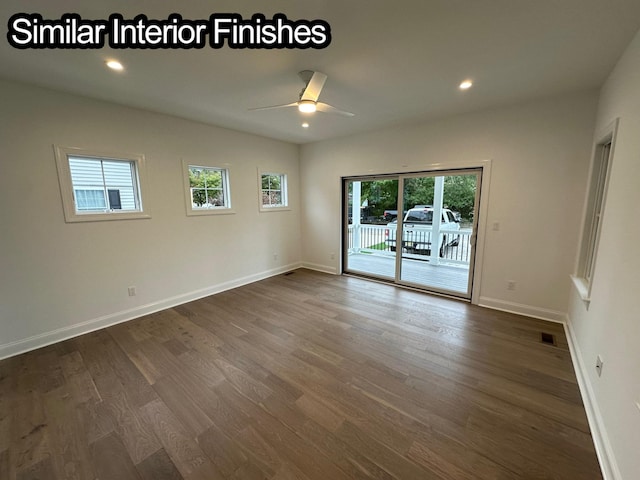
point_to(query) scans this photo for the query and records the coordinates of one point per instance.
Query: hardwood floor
(302, 376)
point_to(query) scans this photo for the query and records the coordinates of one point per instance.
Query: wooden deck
(305, 376)
(453, 278)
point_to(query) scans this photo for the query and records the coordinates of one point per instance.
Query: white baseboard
(601, 442)
(522, 309)
(41, 340)
(320, 268)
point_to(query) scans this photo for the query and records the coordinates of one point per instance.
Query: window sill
(274, 209)
(102, 217)
(210, 211)
(582, 287)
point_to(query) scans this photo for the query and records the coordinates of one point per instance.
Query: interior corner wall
(610, 325)
(539, 154)
(60, 279)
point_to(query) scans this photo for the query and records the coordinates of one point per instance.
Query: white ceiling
(389, 62)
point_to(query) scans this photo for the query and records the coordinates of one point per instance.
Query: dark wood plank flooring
(303, 376)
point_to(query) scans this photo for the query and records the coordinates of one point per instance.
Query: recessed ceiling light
(305, 125)
(466, 85)
(115, 65)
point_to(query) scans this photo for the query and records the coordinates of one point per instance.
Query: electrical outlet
(511, 285)
(132, 291)
(275, 256)
(496, 226)
(332, 255)
(599, 365)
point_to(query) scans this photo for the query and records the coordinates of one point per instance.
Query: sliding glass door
(438, 232)
(417, 230)
(371, 205)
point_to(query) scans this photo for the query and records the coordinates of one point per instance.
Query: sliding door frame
(345, 215)
(477, 172)
(482, 209)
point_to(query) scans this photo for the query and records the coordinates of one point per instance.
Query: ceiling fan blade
(314, 87)
(326, 108)
(294, 104)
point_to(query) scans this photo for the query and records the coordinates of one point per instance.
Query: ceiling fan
(308, 100)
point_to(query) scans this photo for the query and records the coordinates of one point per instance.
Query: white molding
(62, 155)
(227, 209)
(607, 134)
(582, 287)
(284, 189)
(319, 268)
(604, 452)
(47, 338)
(482, 208)
(481, 229)
(522, 309)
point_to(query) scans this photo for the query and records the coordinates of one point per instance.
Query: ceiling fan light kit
(308, 99)
(307, 106)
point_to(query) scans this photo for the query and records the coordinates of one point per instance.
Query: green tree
(206, 186)
(418, 191)
(381, 195)
(271, 190)
(460, 194)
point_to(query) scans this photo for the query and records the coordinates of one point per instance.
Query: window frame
(226, 190)
(284, 191)
(67, 188)
(595, 205)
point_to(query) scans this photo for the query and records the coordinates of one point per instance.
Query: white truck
(417, 229)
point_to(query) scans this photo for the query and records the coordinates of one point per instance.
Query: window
(598, 181)
(87, 200)
(419, 216)
(273, 191)
(115, 203)
(98, 186)
(206, 190)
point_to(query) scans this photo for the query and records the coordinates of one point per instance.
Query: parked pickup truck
(391, 215)
(417, 227)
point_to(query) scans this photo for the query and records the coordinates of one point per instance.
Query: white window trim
(583, 285)
(66, 185)
(284, 189)
(223, 210)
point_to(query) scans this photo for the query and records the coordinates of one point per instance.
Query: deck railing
(373, 241)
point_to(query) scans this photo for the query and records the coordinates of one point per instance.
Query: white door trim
(482, 207)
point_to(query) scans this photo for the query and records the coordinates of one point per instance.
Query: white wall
(55, 276)
(540, 156)
(611, 325)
